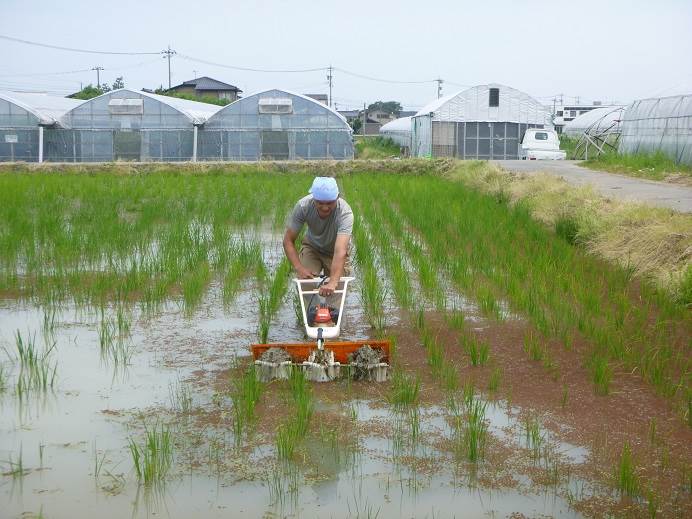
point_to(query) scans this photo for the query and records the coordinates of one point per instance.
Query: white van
(539, 144)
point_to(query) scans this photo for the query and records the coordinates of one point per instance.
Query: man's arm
(289, 243)
(338, 262)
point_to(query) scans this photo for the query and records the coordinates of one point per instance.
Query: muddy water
(93, 411)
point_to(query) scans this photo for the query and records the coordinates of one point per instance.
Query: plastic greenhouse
(399, 130)
(483, 122)
(276, 125)
(659, 124)
(24, 118)
(596, 120)
(129, 125)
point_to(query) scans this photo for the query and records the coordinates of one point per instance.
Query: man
(325, 245)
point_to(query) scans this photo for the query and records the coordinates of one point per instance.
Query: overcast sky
(594, 50)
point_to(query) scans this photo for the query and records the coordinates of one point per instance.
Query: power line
(382, 80)
(248, 69)
(72, 49)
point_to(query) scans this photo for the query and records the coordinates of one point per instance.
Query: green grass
(376, 147)
(654, 166)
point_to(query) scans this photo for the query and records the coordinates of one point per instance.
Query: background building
(483, 122)
(206, 86)
(276, 125)
(24, 118)
(399, 130)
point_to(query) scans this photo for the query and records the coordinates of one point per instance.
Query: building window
(572, 113)
(494, 97)
(559, 113)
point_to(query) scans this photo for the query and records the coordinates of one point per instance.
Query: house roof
(207, 83)
(47, 108)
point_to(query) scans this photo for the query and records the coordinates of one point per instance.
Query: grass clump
(653, 166)
(376, 147)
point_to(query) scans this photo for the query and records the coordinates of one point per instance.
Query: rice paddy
(529, 377)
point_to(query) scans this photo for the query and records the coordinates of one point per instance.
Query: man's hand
(328, 288)
(305, 273)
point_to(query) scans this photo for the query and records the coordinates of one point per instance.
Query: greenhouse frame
(659, 124)
(482, 122)
(24, 120)
(276, 125)
(129, 125)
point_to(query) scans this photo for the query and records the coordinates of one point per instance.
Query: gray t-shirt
(322, 233)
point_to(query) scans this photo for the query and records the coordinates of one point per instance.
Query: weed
(565, 396)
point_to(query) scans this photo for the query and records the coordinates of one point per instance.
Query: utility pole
(439, 82)
(98, 75)
(365, 118)
(330, 77)
(167, 54)
(195, 73)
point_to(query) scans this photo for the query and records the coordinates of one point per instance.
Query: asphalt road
(660, 194)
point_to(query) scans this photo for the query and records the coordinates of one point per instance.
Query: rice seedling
(494, 380)
(455, 318)
(180, 396)
(626, 477)
(565, 396)
(532, 347)
(36, 370)
(652, 431)
(601, 374)
(404, 390)
(16, 468)
(98, 462)
(449, 378)
(154, 458)
(245, 394)
(478, 351)
(291, 433)
(475, 431)
(533, 436)
(652, 502)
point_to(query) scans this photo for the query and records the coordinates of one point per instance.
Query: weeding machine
(326, 359)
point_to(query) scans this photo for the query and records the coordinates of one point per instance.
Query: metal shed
(482, 122)
(24, 117)
(129, 125)
(276, 125)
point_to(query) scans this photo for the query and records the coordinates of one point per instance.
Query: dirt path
(660, 194)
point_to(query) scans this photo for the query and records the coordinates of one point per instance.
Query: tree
(391, 107)
(356, 125)
(88, 92)
(118, 83)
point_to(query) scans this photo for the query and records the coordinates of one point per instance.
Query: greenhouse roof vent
(275, 105)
